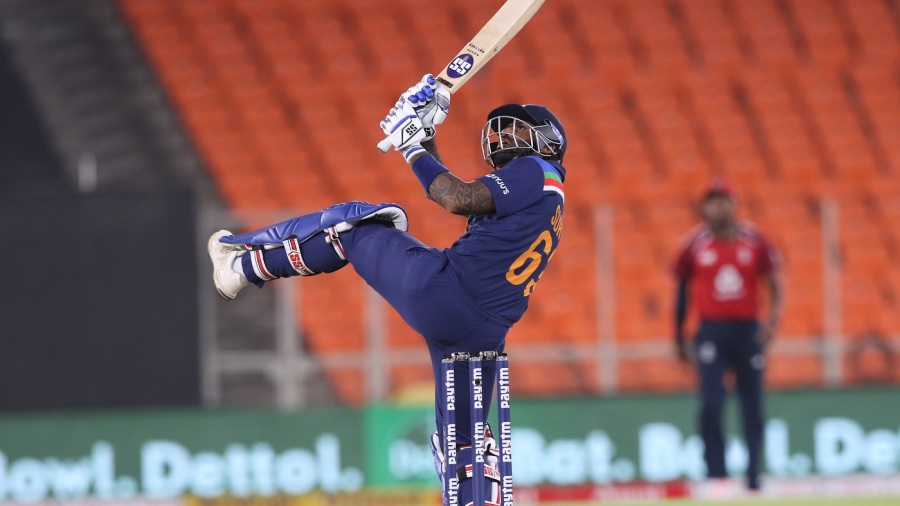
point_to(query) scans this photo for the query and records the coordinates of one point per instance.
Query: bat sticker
(460, 65)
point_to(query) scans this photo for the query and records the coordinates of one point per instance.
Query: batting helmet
(547, 131)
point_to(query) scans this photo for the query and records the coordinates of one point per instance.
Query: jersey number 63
(526, 265)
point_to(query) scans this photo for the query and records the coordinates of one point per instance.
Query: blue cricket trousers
(419, 283)
(720, 347)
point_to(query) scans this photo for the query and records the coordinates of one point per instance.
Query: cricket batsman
(461, 299)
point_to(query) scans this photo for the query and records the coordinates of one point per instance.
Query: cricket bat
(499, 30)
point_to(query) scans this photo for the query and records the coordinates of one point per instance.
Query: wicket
(477, 410)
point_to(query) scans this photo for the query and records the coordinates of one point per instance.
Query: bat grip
(384, 145)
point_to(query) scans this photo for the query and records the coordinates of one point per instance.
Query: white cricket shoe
(228, 282)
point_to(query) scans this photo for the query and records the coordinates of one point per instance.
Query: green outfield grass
(815, 501)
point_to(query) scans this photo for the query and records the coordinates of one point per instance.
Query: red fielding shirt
(723, 275)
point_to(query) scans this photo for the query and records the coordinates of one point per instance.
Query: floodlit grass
(814, 501)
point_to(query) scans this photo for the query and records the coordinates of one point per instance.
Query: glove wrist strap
(412, 150)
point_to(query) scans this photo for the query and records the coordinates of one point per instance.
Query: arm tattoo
(460, 197)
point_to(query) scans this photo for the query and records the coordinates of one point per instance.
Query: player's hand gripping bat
(499, 30)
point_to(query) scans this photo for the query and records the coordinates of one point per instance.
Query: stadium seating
(794, 102)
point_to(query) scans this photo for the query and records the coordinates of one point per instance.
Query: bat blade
(495, 34)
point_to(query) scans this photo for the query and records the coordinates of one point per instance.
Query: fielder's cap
(718, 187)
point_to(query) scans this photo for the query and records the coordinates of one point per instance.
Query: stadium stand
(795, 102)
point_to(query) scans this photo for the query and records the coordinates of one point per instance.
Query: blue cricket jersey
(503, 254)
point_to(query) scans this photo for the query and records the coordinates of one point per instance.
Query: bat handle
(384, 145)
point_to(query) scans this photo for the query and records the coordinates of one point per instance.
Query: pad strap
(335, 242)
(259, 265)
(490, 472)
(292, 249)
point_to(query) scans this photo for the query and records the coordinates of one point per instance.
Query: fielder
(720, 265)
(461, 299)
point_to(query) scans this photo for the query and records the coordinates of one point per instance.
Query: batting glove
(431, 101)
(405, 130)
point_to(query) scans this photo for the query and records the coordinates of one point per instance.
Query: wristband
(426, 168)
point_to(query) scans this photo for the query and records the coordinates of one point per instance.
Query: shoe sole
(212, 247)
